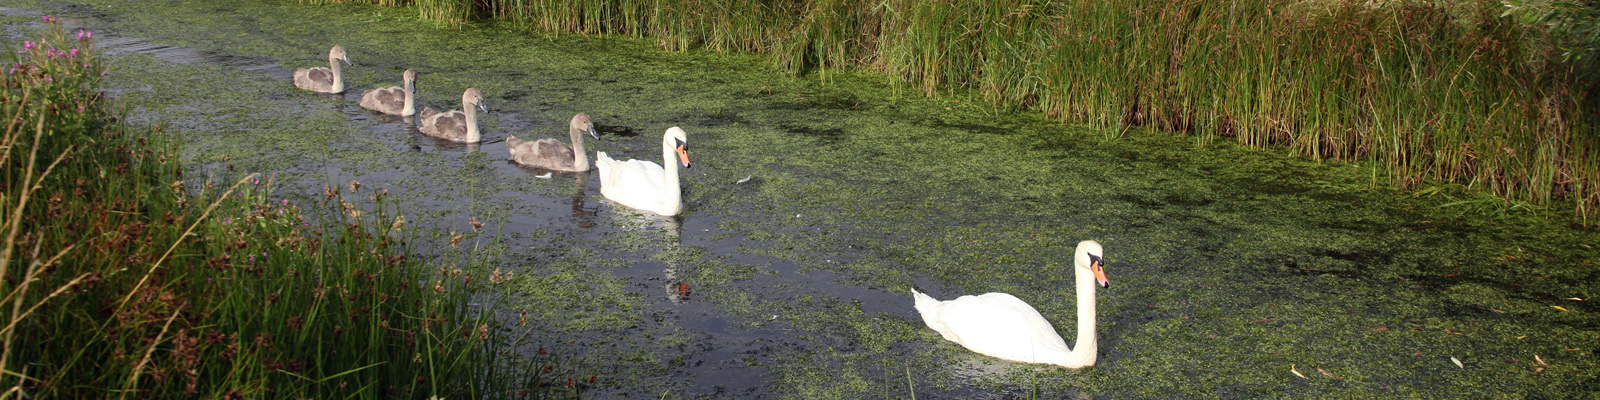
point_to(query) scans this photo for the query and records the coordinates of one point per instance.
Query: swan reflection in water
(582, 217)
(645, 226)
(677, 290)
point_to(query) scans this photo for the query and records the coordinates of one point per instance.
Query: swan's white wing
(999, 325)
(643, 175)
(634, 183)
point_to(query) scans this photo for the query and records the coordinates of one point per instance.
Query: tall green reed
(1439, 93)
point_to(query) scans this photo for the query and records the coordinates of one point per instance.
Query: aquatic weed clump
(124, 277)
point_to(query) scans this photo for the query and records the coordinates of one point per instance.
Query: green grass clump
(123, 277)
(1453, 93)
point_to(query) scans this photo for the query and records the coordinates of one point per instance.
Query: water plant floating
(551, 154)
(323, 80)
(1002, 326)
(644, 185)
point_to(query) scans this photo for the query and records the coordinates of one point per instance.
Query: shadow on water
(114, 44)
(823, 135)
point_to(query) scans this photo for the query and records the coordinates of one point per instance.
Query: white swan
(550, 154)
(644, 185)
(1000, 325)
(394, 100)
(457, 125)
(323, 80)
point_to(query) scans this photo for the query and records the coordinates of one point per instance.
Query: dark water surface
(1229, 266)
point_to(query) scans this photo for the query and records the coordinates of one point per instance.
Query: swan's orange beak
(1099, 274)
(683, 155)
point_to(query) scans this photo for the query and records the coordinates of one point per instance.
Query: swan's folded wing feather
(999, 325)
(387, 100)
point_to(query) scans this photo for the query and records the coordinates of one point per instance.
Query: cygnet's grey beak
(592, 133)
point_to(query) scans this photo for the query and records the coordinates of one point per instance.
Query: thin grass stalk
(22, 201)
(133, 378)
(175, 243)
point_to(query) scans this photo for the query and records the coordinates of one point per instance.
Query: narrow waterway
(1235, 273)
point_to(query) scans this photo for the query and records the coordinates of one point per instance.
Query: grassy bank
(1451, 97)
(127, 276)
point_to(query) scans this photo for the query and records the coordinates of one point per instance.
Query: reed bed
(123, 276)
(1440, 93)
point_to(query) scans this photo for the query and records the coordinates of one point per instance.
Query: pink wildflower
(73, 53)
(27, 44)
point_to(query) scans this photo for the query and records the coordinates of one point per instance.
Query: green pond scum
(1236, 272)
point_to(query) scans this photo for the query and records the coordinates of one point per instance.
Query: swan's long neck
(411, 102)
(472, 120)
(669, 158)
(1086, 350)
(338, 79)
(581, 159)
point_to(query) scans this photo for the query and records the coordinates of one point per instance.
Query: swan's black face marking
(1097, 265)
(683, 152)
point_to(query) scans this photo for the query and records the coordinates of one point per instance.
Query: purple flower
(27, 44)
(46, 79)
(47, 18)
(83, 34)
(286, 201)
(73, 53)
(80, 108)
(226, 221)
(252, 260)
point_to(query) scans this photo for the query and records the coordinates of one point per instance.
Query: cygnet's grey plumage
(394, 100)
(323, 80)
(551, 154)
(457, 125)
